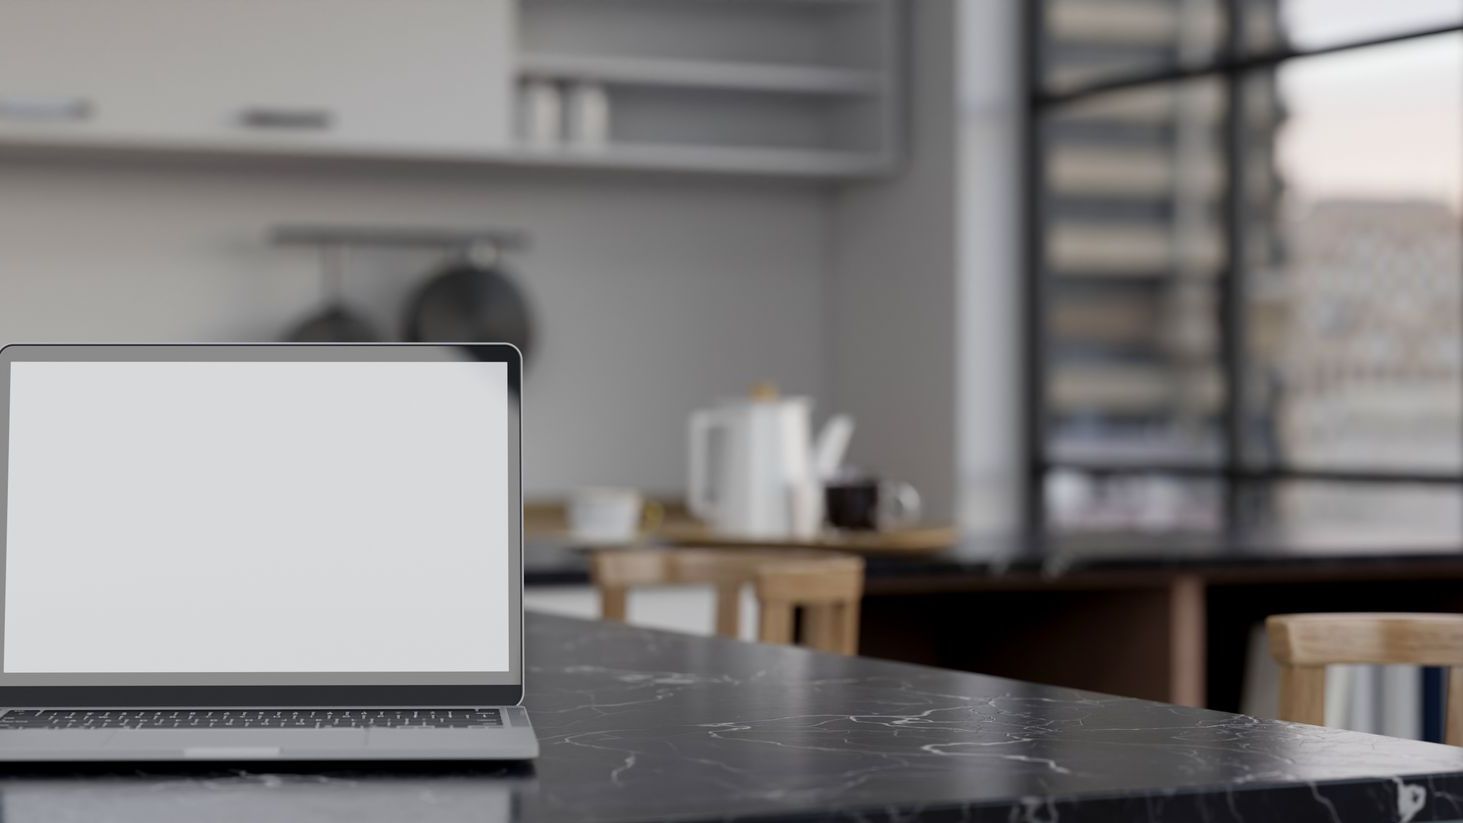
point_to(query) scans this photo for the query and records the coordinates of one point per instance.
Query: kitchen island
(1167, 617)
(640, 725)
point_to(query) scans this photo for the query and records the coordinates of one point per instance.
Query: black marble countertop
(640, 725)
(548, 562)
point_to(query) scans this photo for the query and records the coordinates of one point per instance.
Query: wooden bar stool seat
(1305, 644)
(826, 585)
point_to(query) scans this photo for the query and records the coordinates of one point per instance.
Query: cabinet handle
(45, 109)
(265, 117)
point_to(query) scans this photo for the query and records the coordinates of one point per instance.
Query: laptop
(261, 552)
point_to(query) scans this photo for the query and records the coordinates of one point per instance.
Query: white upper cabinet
(428, 76)
(801, 88)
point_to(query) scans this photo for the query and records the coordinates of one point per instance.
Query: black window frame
(1234, 64)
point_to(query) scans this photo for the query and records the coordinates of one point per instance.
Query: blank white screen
(257, 517)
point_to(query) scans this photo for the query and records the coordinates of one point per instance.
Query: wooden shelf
(752, 77)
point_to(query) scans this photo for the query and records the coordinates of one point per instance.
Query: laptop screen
(260, 522)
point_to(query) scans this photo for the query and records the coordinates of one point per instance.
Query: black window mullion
(1227, 63)
(1232, 304)
(1034, 297)
(1264, 473)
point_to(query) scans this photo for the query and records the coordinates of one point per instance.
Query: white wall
(924, 329)
(654, 295)
(892, 295)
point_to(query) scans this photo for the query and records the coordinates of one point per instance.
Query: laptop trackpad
(213, 744)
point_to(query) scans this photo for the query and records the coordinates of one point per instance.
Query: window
(1245, 265)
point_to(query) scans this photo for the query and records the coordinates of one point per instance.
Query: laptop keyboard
(255, 719)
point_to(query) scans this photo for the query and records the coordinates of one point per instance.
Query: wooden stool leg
(822, 628)
(613, 603)
(1303, 694)
(832, 627)
(774, 624)
(1453, 733)
(729, 610)
(849, 614)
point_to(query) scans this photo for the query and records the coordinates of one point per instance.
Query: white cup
(588, 115)
(541, 114)
(610, 515)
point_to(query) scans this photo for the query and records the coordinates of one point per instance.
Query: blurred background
(1223, 279)
(705, 195)
(1135, 269)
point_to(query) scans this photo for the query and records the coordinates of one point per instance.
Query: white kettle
(754, 471)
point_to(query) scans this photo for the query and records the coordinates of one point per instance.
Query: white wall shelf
(715, 159)
(712, 160)
(775, 85)
(708, 74)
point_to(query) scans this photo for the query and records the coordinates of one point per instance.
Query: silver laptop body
(261, 552)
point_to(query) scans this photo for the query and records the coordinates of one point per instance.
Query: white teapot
(754, 470)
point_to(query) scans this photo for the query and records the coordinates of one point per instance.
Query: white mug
(610, 515)
(541, 113)
(588, 115)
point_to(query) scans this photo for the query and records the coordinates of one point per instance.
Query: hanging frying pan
(333, 324)
(471, 299)
(336, 322)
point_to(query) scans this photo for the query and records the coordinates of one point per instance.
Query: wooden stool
(828, 590)
(784, 580)
(616, 571)
(1304, 644)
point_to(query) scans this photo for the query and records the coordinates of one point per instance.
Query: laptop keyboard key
(255, 719)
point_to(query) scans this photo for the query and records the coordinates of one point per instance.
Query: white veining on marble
(1411, 799)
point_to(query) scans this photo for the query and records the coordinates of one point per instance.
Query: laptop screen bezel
(361, 689)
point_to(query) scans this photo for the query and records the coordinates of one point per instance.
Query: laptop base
(514, 740)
